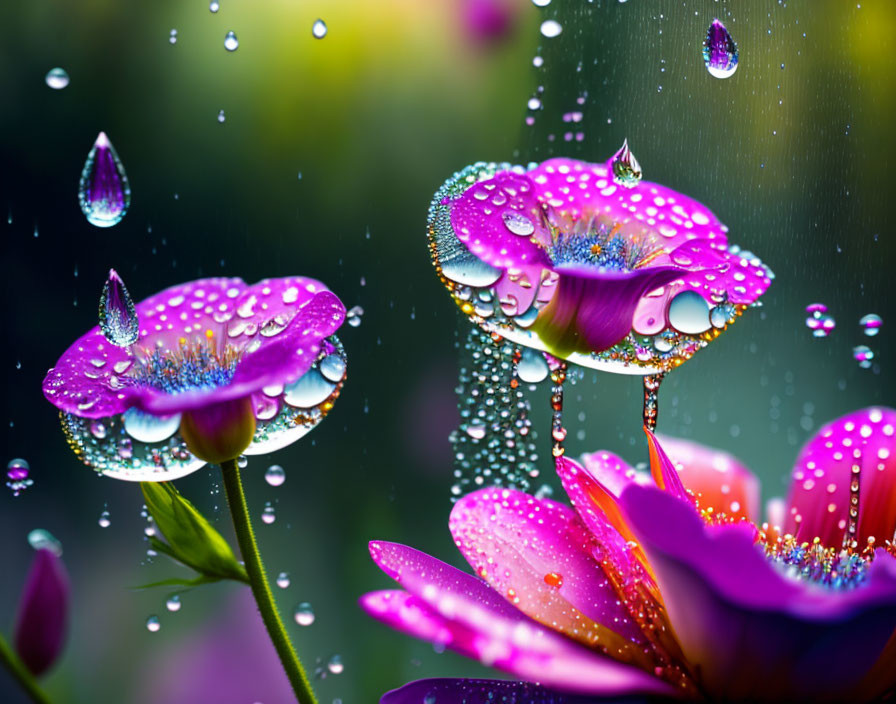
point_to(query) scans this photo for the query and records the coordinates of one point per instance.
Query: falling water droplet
(173, 603)
(17, 476)
(283, 580)
(57, 78)
(335, 665)
(354, 316)
(242, 461)
(275, 475)
(319, 29)
(268, 516)
(626, 169)
(41, 539)
(172, 36)
(231, 43)
(863, 355)
(871, 324)
(153, 624)
(719, 51)
(104, 192)
(551, 28)
(105, 521)
(213, 6)
(118, 315)
(221, 116)
(819, 322)
(304, 614)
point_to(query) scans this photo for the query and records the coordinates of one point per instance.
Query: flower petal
(735, 615)
(463, 691)
(717, 479)
(539, 555)
(42, 618)
(820, 488)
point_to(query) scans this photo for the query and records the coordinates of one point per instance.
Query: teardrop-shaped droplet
(118, 315)
(319, 29)
(626, 169)
(104, 192)
(231, 43)
(719, 51)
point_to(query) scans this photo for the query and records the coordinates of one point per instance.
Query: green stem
(261, 590)
(21, 673)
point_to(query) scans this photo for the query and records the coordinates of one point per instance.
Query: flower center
(827, 567)
(193, 366)
(600, 245)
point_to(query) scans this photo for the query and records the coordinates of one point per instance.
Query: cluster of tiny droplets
(558, 432)
(829, 567)
(651, 391)
(494, 445)
(193, 366)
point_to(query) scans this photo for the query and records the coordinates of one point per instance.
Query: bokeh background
(324, 165)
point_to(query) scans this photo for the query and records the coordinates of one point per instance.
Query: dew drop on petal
(148, 428)
(57, 78)
(319, 29)
(719, 51)
(173, 603)
(689, 313)
(103, 192)
(551, 28)
(275, 475)
(283, 580)
(517, 223)
(41, 539)
(304, 614)
(231, 43)
(626, 169)
(153, 624)
(118, 315)
(871, 324)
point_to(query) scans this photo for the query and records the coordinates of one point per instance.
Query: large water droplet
(319, 29)
(118, 315)
(626, 169)
(517, 223)
(871, 324)
(275, 475)
(57, 78)
(148, 428)
(304, 614)
(719, 51)
(214, 6)
(309, 391)
(532, 367)
(332, 367)
(231, 43)
(689, 313)
(104, 192)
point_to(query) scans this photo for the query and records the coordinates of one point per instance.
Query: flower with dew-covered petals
(218, 367)
(563, 257)
(662, 584)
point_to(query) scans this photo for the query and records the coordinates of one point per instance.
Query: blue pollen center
(599, 246)
(193, 367)
(826, 567)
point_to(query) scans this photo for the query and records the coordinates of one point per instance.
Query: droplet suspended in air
(172, 36)
(118, 315)
(863, 355)
(304, 614)
(213, 6)
(319, 29)
(57, 78)
(275, 475)
(231, 43)
(551, 28)
(17, 476)
(268, 515)
(104, 192)
(153, 624)
(871, 324)
(283, 580)
(819, 322)
(626, 169)
(173, 603)
(353, 316)
(719, 51)
(221, 116)
(335, 665)
(104, 520)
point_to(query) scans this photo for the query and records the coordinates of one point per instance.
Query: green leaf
(191, 538)
(186, 584)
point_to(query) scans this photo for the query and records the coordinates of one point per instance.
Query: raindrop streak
(275, 475)
(104, 192)
(871, 324)
(863, 355)
(41, 539)
(17, 476)
(304, 614)
(626, 169)
(819, 322)
(719, 51)
(231, 43)
(118, 316)
(153, 624)
(319, 29)
(551, 28)
(57, 78)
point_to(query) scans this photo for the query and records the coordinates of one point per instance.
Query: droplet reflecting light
(118, 315)
(104, 192)
(719, 51)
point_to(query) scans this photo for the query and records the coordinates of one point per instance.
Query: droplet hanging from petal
(118, 316)
(104, 193)
(651, 389)
(719, 51)
(626, 169)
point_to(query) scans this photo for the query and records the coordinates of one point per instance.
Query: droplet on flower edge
(626, 169)
(117, 313)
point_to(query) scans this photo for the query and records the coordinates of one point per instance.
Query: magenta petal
(42, 618)
(464, 691)
(735, 615)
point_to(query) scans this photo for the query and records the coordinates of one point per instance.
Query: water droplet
(551, 28)
(153, 624)
(532, 367)
(517, 223)
(231, 43)
(148, 428)
(57, 78)
(309, 391)
(17, 475)
(819, 322)
(319, 29)
(871, 324)
(268, 516)
(118, 315)
(719, 51)
(333, 367)
(304, 614)
(863, 355)
(221, 116)
(105, 521)
(275, 475)
(541, 3)
(689, 313)
(173, 603)
(213, 6)
(103, 192)
(242, 461)
(283, 580)
(354, 316)
(335, 665)
(553, 579)
(172, 36)
(626, 169)
(41, 539)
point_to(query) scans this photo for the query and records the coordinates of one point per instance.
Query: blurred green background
(324, 166)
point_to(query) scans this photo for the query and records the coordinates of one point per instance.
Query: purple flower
(42, 619)
(218, 364)
(661, 585)
(590, 263)
(488, 21)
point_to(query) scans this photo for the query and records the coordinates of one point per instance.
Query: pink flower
(663, 585)
(590, 263)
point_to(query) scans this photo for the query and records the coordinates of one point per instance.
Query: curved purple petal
(464, 691)
(735, 615)
(42, 618)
